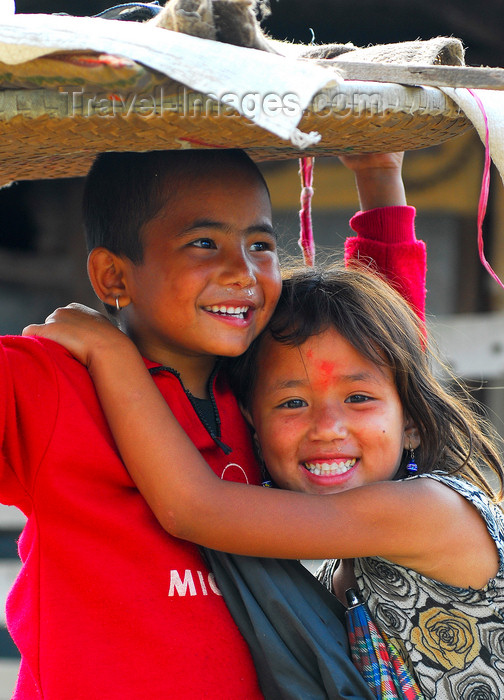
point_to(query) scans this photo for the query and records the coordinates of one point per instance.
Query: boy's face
(210, 277)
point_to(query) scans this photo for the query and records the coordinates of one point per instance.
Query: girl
(344, 404)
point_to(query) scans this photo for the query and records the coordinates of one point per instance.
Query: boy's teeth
(329, 468)
(238, 311)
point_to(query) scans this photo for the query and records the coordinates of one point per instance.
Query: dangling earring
(412, 466)
(118, 306)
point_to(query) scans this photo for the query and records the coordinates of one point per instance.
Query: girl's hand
(84, 332)
(381, 161)
(378, 177)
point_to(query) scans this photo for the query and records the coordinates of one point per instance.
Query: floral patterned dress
(454, 637)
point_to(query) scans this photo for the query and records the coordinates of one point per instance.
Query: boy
(107, 605)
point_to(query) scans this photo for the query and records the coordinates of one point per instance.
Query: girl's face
(327, 419)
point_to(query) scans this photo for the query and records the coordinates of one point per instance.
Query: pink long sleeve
(387, 237)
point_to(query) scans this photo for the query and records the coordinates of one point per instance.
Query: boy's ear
(106, 272)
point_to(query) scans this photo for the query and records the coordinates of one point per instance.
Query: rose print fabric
(453, 637)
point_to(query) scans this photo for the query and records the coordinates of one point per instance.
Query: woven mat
(73, 89)
(46, 133)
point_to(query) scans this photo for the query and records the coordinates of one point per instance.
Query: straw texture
(114, 87)
(47, 133)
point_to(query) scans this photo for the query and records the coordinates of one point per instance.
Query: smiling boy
(209, 278)
(108, 606)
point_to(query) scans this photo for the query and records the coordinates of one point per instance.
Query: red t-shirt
(107, 604)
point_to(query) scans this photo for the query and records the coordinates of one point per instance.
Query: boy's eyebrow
(259, 227)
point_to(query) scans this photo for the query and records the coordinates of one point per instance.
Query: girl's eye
(293, 403)
(358, 398)
(203, 243)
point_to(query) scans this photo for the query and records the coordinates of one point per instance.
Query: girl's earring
(118, 306)
(266, 481)
(412, 466)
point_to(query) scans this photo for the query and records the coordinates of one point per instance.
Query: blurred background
(42, 254)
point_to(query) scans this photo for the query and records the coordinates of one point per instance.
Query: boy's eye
(203, 243)
(264, 244)
(260, 246)
(293, 403)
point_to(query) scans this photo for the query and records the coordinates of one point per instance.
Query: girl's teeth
(329, 468)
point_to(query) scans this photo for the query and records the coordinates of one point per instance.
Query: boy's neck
(197, 385)
(194, 370)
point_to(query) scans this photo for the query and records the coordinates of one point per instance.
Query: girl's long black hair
(375, 319)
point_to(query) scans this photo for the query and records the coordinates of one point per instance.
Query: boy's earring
(412, 466)
(118, 306)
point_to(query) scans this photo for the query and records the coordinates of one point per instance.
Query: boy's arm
(385, 226)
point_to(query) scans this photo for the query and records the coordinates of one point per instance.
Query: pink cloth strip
(485, 188)
(306, 242)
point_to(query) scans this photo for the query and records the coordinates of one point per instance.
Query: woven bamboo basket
(58, 112)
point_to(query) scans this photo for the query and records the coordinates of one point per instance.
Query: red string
(485, 188)
(306, 242)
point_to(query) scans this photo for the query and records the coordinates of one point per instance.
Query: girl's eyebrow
(289, 384)
(361, 377)
(347, 378)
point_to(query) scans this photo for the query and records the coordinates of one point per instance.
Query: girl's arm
(385, 226)
(418, 524)
(378, 179)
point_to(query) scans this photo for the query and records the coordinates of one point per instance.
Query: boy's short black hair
(126, 190)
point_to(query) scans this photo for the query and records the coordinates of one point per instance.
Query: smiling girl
(344, 404)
